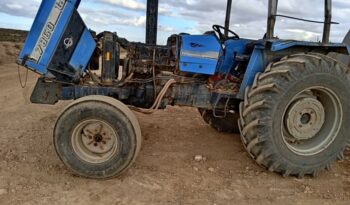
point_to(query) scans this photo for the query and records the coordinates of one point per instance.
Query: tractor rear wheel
(294, 119)
(227, 124)
(97, 137)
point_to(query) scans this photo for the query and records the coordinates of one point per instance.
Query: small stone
(195, 169)
(155, 126)
(198, 158)
(211, 169)
(307, 190)
(3, 191)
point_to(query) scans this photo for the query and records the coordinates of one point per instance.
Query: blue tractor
(290, 100)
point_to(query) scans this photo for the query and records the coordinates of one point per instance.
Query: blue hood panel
(57, 36)
(199, 54)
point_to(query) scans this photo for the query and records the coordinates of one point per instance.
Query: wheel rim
(95, 141)
(312, 121)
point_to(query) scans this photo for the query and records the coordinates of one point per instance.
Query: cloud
(248, 17)
(19, 8)
(251, 16)
(166, 28)
(128, 4)
(110, 17)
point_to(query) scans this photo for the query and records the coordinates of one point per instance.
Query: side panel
(232, 49)
(199, 54)
(65, 48)
(34, 34)
(256, 64)
(83, 51)
(56, 33)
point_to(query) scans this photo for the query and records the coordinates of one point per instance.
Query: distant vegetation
(12, 35)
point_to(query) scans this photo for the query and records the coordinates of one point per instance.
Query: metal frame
(272, 14)
(271, 18)
(228, 16)
(328, 20)
(152, 22)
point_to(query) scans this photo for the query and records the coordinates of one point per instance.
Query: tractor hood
(59, 44)
(199, 53)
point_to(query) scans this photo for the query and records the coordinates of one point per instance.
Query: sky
(248, 19)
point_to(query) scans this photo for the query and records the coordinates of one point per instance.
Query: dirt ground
(165, 171)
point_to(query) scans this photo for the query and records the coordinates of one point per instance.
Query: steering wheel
(218, 29)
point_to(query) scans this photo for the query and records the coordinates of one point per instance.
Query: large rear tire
(97, 137)
(294, 119)
(227, 124)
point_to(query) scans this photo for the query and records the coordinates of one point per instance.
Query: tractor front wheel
(294, 119)
(97, 137)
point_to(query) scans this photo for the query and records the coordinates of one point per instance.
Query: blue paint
(77, 3)
(35, 31)
(199, 54)
(38, 26)
(232, 48)
(256, 64)
(278, 45)
(63, 21)
(83, 51)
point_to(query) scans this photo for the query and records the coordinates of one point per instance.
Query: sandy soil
(164, 173)
(9, 52)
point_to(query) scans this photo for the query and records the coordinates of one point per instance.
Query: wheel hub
(305, 118)
(97, 138)
(95, 141)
